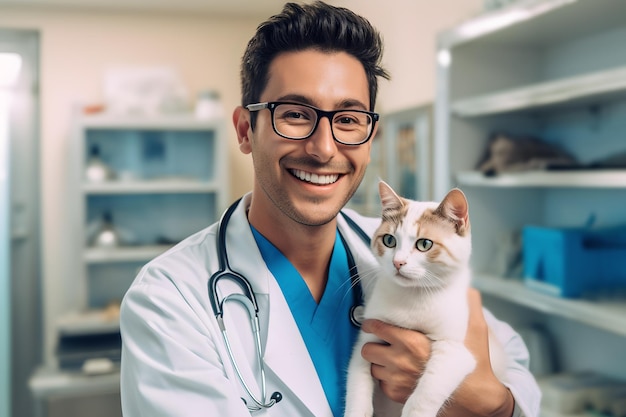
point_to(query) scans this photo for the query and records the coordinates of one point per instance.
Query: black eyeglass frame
(271, 106)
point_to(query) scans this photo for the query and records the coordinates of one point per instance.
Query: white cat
(424, 252)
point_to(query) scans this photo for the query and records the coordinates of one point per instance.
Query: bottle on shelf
(107, 236)
(209, 105)
(97, 170)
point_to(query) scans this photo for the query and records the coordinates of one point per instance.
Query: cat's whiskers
(356, 279)
(430, 283)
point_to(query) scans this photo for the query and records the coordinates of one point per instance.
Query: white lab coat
(174, 359)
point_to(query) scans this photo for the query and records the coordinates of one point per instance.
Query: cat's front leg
(360, 384)
(449, 363)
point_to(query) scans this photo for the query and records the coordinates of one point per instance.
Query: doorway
(21, 236)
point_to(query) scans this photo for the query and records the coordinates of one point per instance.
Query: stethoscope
(248, 300)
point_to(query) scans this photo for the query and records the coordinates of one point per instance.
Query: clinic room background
(110, 109)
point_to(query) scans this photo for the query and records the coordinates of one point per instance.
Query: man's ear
(241, 121)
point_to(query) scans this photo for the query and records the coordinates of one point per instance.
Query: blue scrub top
(325, 327)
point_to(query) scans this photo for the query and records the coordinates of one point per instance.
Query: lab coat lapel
(286, 356)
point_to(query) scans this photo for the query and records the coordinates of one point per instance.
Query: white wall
(77, 48)
(409, 29)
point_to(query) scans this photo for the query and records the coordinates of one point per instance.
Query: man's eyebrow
(351, 103)
(343, 104)
(296, 98)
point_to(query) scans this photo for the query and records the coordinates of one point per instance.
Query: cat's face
(422, 244)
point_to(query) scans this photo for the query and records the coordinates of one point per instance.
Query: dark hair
(311, 26)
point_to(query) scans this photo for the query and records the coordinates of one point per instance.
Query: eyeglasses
(299, 121)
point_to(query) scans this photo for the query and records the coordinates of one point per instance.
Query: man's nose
(321, 143)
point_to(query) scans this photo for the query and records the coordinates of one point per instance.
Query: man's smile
(319, 179)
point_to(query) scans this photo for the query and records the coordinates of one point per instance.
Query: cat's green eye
(423, 245)
(389, 240)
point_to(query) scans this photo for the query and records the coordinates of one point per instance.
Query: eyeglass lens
(298, 122)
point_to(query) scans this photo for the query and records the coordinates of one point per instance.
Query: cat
(423, 249)
(507, 154)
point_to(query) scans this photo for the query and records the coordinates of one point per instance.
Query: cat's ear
(455, 207)
(388, 197)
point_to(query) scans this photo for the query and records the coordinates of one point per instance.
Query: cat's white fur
(412, 292)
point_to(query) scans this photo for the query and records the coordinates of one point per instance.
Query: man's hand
(400, 361)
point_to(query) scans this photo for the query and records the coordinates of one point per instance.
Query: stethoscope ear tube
(224, 270)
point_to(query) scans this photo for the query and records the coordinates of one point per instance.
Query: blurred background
(116, 142)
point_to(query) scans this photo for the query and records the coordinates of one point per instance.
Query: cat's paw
(359, 412)
(416, 412)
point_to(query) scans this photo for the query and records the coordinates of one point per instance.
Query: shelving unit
(573, 91)
(169, 182)
(554, 70)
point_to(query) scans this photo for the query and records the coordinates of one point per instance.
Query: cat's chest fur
(440, 314)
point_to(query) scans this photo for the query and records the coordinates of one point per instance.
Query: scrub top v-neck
(324, 326)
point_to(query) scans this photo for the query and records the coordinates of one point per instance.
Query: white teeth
(315, 178)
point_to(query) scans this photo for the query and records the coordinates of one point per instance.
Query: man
(309, 81)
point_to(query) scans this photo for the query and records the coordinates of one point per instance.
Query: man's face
(286, 170)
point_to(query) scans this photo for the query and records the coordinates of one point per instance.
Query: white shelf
(123, 254)
(536, 22)
(47, 382)
(88, 322)
(576, 179)
(607, 315)
(583, 89)
(165, 186)
(160, 122)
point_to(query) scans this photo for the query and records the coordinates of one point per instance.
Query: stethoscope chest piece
(357, 314)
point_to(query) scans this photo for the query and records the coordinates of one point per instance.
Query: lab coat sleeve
(170, 363)
(520, 381)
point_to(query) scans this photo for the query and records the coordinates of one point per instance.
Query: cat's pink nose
(398, 264)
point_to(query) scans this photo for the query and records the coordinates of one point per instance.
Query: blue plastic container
(574, 262)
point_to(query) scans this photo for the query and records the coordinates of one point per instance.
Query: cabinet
(556, 70)
(167, 179)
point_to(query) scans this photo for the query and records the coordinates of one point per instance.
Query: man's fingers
(477, 326)
(399, 345)
(475, 302)
(389, 333)
(380, 329)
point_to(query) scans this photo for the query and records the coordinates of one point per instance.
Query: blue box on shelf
(573, 262)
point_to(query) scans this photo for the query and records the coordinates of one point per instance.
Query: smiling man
(253, 314)
(303, 174)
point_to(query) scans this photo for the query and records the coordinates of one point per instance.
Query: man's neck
(308, 248)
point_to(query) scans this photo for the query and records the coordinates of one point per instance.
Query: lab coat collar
(286, 355)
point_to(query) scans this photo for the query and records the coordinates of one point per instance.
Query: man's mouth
(314, 178)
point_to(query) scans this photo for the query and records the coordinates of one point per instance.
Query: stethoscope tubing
(254, 322)
(248, 300)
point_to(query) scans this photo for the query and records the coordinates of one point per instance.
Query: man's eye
(293, 115)
(346, 120)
